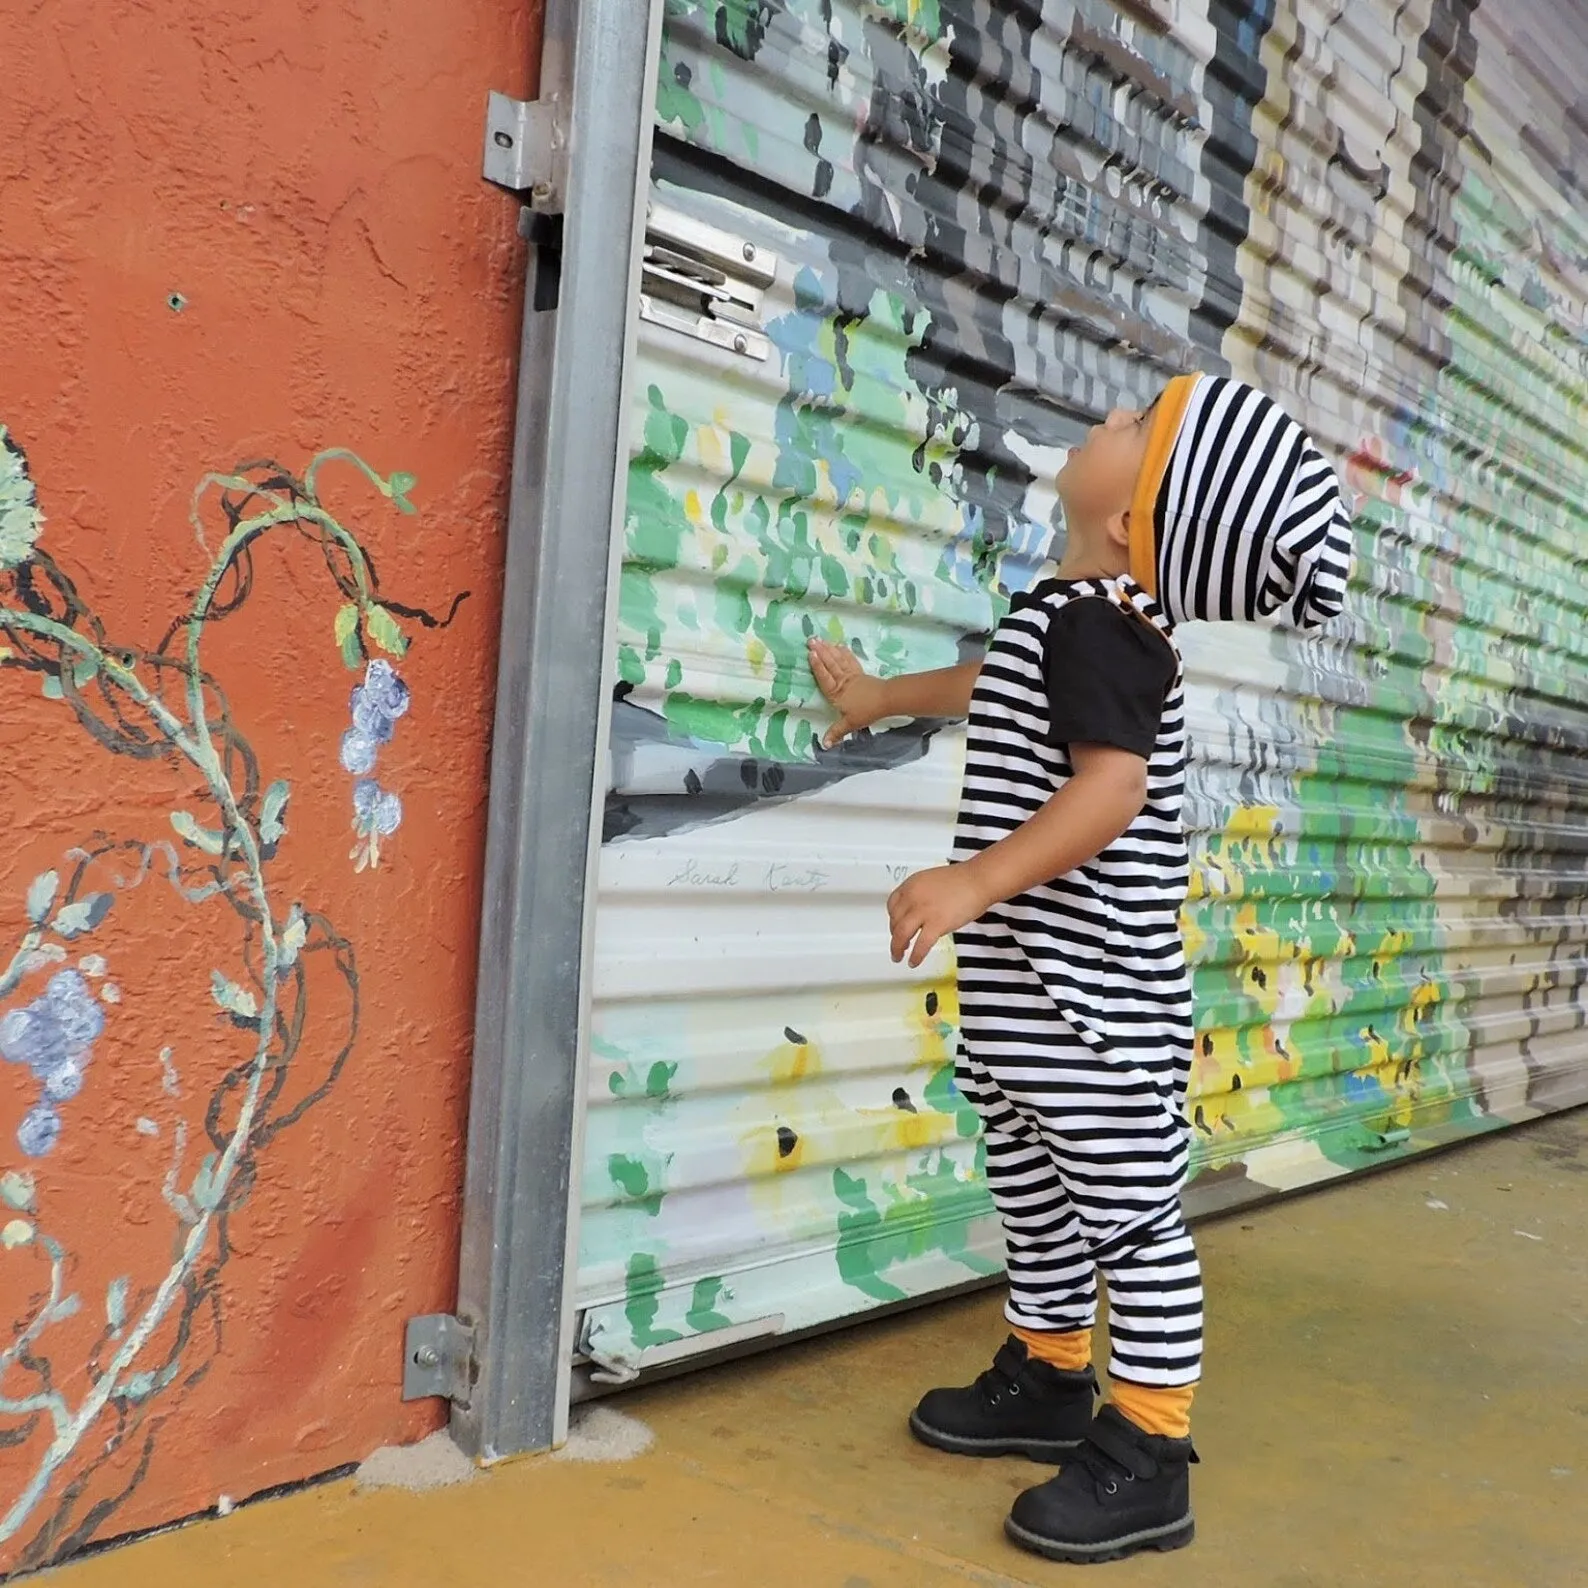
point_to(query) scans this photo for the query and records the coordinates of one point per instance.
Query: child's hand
(857, 697)
(929, 906)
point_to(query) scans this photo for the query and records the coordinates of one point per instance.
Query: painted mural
(244, 727)
(95, 1360)
(992, 224)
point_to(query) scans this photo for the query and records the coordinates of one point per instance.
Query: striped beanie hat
(1237, 515)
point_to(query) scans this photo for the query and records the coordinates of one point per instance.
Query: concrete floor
(1397, 1397)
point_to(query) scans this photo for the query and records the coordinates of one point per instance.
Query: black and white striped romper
(1075, 1004)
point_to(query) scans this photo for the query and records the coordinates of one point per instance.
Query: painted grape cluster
(54, 1037)
(376, 705)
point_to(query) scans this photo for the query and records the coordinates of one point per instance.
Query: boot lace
(1110, 1460)
(1003, 1377)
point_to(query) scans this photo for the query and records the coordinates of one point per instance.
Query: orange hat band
(1166, 420)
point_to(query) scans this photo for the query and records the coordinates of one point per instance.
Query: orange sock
(1071, 1351)
(1155, 1410)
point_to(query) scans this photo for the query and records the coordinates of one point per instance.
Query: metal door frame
(549, 755)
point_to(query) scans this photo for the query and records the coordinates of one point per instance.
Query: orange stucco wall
(234, 1035)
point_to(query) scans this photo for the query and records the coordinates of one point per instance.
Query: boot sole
(1047, 1451)
(1176, 1536)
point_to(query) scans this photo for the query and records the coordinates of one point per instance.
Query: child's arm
(860, 699)
(1104, 797)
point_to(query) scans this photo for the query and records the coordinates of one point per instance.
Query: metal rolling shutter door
(988, 225)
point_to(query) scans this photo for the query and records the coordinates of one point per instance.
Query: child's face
(1099, 477)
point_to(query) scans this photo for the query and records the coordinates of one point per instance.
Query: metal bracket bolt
(526, 148)
(438, 1359)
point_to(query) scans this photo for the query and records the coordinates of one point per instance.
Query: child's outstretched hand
(930, 906)
(853, 693)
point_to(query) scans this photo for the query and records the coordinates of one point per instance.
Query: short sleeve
(1108, 675)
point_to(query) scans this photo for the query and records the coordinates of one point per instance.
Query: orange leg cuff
(1155, 1410)
(1071, 1351)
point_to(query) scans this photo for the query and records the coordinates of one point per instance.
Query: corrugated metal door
(975, 227)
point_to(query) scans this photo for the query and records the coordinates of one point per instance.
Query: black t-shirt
(1108, 675)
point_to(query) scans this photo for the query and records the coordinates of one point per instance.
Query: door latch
(705, 283)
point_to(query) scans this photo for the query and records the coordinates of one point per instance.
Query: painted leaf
(206, 1193)
(20, 518)
(293, 937)
(17, 1190)
(40, 958)
(66, 1307)
(83, 671)
(642, 1284)
(116, 1305)
(383, 631)
(83, 915)
(628, 1174)
(400, 485)
(41, 896)
(189, 831)
(233, 999)
(346, 623)
(704, 1314)
(139, 1387)
(274, 806)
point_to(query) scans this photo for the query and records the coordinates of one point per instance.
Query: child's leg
(1155, 1307)
(1116, 1142)
(1155, 1329)
(1117, 1137)
(1052, 1303)
(1038, 1397)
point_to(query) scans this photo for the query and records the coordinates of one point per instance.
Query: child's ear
(1119, 530)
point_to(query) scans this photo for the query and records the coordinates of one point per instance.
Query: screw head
(741, 344)
(427, 1356)
(749, 252)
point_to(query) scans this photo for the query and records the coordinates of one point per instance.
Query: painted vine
(160, 703)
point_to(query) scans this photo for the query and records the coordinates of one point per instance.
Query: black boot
(1018, 1407)
(1122, 1491)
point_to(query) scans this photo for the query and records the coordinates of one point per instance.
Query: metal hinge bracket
(438, 1359)
(705, 283)
(526, 149)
